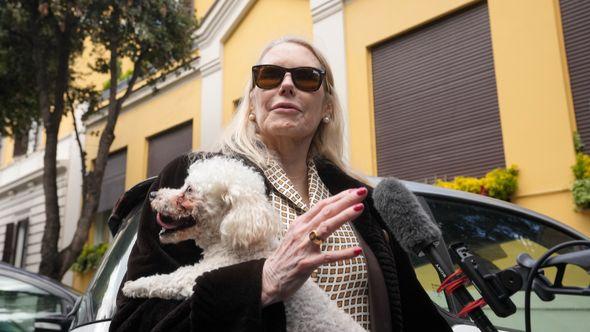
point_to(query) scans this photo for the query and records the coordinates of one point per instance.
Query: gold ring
(315, 238)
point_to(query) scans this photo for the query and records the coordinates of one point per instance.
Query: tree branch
(137, 71)
(80, 148)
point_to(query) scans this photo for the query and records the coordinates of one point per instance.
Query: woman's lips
(285, 110)
(285, 107)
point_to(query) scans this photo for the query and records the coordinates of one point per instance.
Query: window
(500, 236)
(435, 100)
(99, 302)
(27, 141)
(113, 181)
(21, 303)
(15, 243)
(166, 146)
(21, 144)
(576, 31)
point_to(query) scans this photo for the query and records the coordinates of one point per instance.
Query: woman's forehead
(290, 55)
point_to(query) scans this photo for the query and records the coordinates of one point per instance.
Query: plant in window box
(89, 258)
(581, 193)
(86, 264)
(581, 187)
(500, 183)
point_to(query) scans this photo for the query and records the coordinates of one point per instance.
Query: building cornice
(213, 21)
(26, 172)
(320, 9)
(210, 67)
(148, 90)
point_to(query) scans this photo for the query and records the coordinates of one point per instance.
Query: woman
(290, 126)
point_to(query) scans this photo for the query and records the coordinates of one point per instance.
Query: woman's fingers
(327, 257)
(324, 204)
(328, 207)
(325, 228)
(298, 255)
(334, 215)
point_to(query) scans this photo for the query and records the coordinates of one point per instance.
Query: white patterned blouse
(346, 282)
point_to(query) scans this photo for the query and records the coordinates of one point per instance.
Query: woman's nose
(287, 86)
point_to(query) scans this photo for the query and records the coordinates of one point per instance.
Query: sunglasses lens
(307, 79)
(268, 77)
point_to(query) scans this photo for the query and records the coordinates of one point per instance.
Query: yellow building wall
(367, 23)
(202, 6)
(177, 103)
(533, 90)
(266, 20)
(66, 128)
(535, 105)
(6, 151)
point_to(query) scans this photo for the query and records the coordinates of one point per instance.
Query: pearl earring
(252, 117)
(326, 119)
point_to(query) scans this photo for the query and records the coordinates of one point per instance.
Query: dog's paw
(136, 289)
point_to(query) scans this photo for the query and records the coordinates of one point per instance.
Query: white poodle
(222, 206)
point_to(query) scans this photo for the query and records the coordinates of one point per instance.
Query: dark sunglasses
(306, 79)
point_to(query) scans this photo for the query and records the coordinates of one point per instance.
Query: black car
(496, 230)
(31, 302)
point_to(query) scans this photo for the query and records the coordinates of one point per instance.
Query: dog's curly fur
(234, 223)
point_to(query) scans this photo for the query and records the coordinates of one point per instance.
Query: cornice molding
(30, 179)
(320, 9)
(213, 21)
(215, 25)
(147, 91)
(210, 67)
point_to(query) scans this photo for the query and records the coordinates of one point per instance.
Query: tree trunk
(93, 180)
(50, 264)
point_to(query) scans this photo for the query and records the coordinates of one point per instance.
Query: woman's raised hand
(298, 256)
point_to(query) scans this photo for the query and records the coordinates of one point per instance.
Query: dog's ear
(250, 222)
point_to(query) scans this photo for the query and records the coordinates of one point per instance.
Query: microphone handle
(461, 294)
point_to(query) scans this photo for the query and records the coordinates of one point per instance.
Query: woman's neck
(293, 159)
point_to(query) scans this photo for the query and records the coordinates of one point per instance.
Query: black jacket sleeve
(227, 299)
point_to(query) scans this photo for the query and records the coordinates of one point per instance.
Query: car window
(98, 303)
(500, 236)
(21, 303)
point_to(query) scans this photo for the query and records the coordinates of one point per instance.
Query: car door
(499, 235)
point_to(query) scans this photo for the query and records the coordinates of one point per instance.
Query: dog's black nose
(153, 195)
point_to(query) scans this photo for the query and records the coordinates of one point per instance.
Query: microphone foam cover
(402, 213)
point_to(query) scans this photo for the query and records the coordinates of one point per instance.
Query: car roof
(422, 189)
(47, 284)
(136, 194)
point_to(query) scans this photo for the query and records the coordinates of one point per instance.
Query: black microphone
(418, 234)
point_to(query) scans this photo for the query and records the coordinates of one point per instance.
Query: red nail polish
(358, 251)
(361, 191)
(359, 207)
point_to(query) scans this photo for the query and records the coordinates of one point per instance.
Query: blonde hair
(328, 142)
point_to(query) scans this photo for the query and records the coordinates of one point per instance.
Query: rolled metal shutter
(435, 99)
(575, 17)
(113, 181)
(166, 146)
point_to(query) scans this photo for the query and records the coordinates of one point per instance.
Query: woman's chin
(289, 131)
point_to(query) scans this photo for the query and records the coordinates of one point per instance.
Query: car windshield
(99, 302)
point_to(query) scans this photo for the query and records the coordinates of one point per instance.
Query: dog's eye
(189, 190)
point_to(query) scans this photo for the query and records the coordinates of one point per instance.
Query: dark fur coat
(228, 299)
